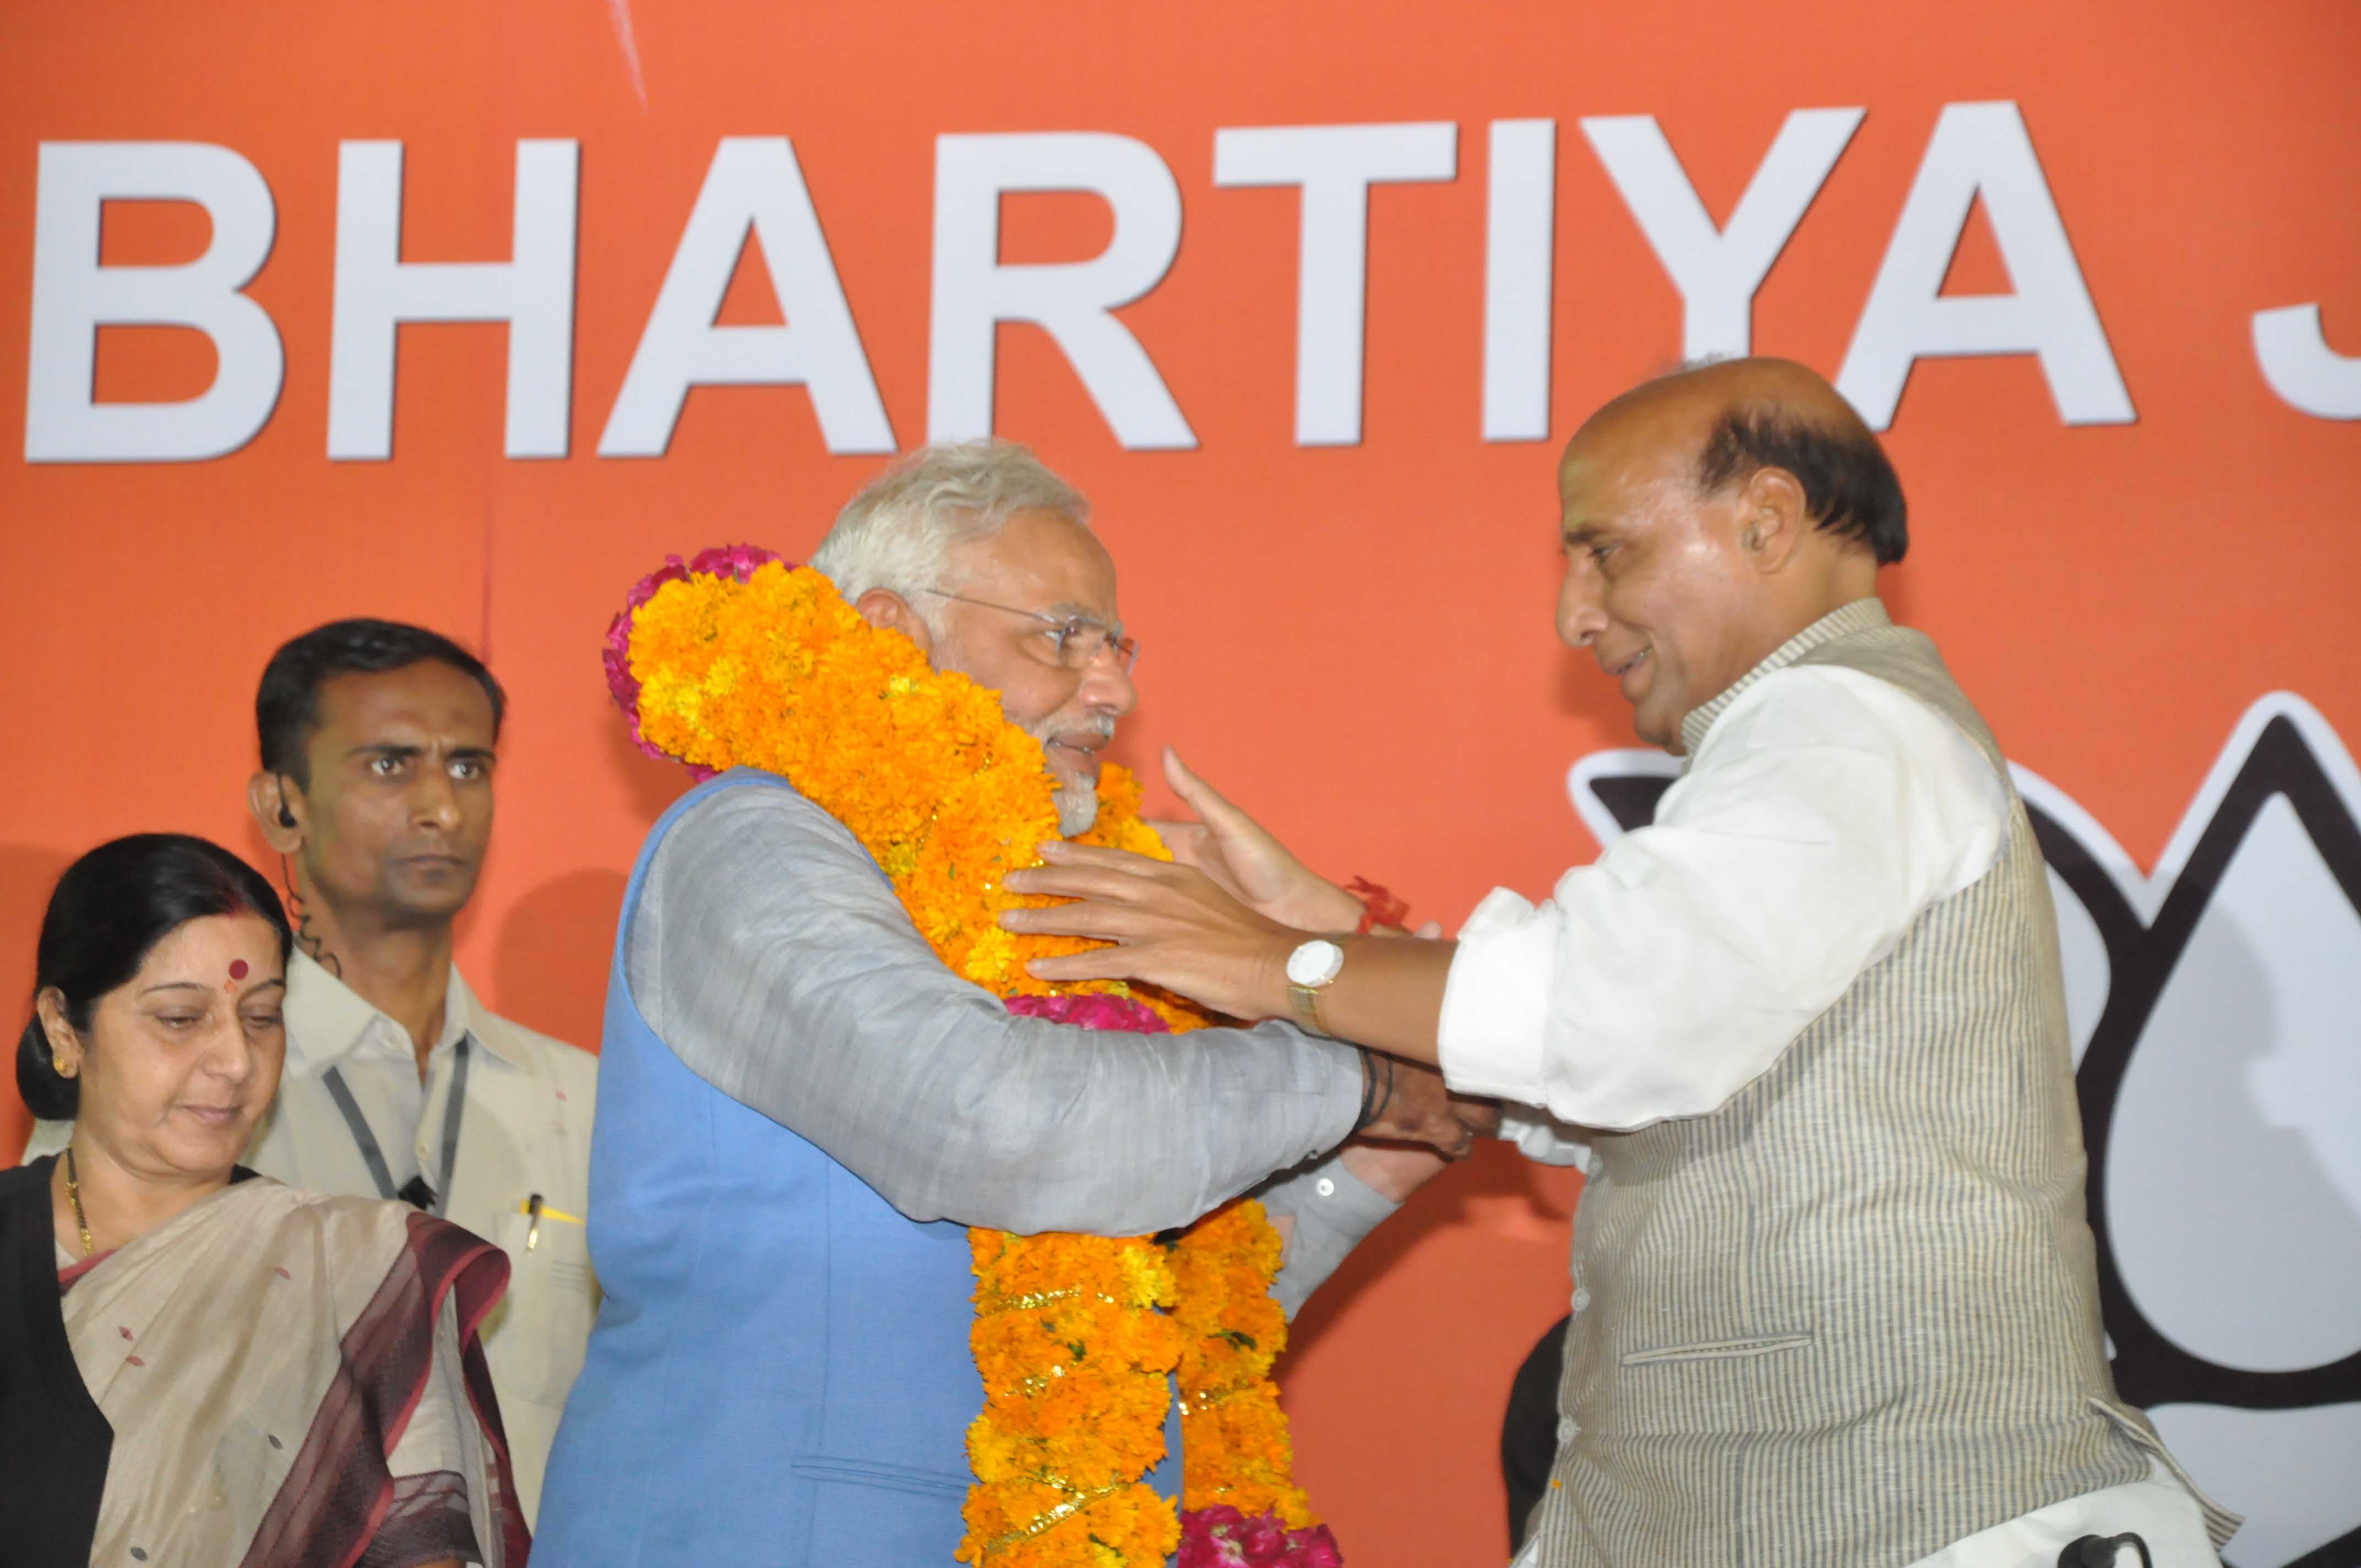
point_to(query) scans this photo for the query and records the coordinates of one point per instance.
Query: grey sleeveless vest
(1852, 1316)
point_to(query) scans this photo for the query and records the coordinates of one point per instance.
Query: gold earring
(58, 1060)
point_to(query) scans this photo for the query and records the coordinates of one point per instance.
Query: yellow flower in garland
(739, 660)
(1232, 1432)
(1074, 1355)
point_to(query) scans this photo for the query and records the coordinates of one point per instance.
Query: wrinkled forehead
(1624, 457)
(1040, 561)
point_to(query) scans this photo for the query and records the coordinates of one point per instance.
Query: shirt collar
(1861, 615)
(327, 1020)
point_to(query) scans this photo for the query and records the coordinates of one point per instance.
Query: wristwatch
(1310, 969)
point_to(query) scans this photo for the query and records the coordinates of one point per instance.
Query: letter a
(1982, 148)
(754, 185)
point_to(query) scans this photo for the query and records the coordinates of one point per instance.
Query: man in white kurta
(1834, 1296)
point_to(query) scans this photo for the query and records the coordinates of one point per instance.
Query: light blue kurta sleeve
(773, 959)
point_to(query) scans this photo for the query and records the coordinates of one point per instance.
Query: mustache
(1098, 724)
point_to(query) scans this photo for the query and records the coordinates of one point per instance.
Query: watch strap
(1305, 1001)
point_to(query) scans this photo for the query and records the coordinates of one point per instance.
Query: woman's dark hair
(107, 912)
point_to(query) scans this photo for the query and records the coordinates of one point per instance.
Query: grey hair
(898, 531)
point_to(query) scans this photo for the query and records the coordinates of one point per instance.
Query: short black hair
(287, 704)
(1849, 487)
(106, 913)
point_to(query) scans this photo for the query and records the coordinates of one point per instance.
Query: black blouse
(54, 1442)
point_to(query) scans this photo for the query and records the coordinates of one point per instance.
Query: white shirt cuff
(1496, 999)
(1544, 1139)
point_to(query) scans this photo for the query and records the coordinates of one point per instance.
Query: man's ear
(1772, 522)
(278, 811)
(889, 611)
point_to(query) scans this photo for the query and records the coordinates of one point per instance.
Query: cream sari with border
(294, 1381)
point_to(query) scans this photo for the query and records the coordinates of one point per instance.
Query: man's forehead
(1057, 565)
(1592, 479)
(1626, 449)
(415, 700)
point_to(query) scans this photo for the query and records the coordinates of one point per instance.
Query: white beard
(1078, 807)
(1077, 798)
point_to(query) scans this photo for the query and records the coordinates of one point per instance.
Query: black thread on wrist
(1369, 1089)
(1375, 1097)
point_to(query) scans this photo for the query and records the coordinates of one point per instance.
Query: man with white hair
(801, 1109)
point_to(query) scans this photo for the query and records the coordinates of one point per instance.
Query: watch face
(1314, 963)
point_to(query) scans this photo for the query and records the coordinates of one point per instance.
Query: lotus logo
(2216, 1013)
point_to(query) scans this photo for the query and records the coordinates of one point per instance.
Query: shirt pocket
(536, 1341)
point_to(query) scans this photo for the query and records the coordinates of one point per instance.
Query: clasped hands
(1216, 925)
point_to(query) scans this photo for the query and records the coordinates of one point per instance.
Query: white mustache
(1098, 725)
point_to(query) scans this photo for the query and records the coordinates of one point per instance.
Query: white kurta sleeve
(1824, 813)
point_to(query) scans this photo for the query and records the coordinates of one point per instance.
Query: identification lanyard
(416, 1192)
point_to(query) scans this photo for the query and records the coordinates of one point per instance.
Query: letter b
(73, 296)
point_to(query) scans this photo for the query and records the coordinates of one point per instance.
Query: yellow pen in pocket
(535, 1211)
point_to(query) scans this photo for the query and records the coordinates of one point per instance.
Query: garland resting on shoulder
(737, 658)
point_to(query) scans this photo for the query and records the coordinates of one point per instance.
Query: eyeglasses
(1079, 639)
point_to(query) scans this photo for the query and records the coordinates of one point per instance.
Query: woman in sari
(199, 1366)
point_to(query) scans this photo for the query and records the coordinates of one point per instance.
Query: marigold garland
(1232, 1434)
(736, 658)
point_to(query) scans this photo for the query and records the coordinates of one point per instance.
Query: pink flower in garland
(737, 560)
(1221, 1537)
(1093, 1009)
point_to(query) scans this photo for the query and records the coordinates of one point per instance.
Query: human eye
(469, 770)
(385, 766)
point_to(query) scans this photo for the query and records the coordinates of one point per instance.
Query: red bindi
(237, 969)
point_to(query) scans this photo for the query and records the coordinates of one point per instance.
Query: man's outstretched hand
(1170, 924)
(1247, 862)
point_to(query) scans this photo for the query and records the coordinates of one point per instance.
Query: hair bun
(47, 1093)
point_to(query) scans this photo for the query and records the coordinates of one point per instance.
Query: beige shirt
(523, 1110)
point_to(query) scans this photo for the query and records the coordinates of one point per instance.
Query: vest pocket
(1717, 1350)
(1701, 1388)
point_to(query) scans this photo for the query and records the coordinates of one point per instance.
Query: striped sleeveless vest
(1852, 1316)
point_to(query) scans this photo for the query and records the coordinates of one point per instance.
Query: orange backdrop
(1354, 640)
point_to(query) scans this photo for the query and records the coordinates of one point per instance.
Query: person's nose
(434, 800)
(1106, 686)
(1581, 609)
(229, 1054)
